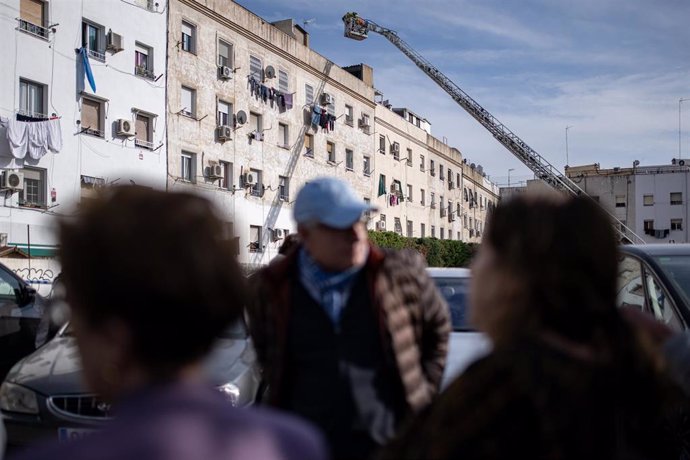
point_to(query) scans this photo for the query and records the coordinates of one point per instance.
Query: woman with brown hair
(568, 377)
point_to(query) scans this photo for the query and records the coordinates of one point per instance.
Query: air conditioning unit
(224, 133)
(225, 72)
(395, 187)
(257, 135)
(214, 170)
(363, 123)
(13, 180)
(114, 42)
(395, 149)
(249, 179)
(278, 234)
(125, 127)
(381, 225)
(327, 99)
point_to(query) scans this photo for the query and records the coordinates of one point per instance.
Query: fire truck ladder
(357, 28)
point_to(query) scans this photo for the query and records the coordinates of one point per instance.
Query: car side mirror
(28, 296)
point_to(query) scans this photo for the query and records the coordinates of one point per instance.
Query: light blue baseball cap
(331, 202)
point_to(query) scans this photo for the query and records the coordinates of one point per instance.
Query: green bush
(438, 253)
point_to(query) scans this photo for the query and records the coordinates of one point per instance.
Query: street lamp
(680, 101)
(567, 162)
(509, 169)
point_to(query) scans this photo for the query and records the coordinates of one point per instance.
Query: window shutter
(282, 81)
(32, 11)
(90, 114)
(142, 128)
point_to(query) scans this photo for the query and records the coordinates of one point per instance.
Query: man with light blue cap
(350, 337)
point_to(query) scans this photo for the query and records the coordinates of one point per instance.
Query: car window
(630, 287)
(677, 271)
(10, 288)
(660, 304)
(455, 290)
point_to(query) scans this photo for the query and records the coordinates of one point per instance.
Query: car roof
(450, 272)
(656, 249)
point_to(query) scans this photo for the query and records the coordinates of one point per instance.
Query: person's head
(291, 240)
(548, 263)
(151, 282)
(329, 221)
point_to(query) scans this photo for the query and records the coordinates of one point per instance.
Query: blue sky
(614, 70)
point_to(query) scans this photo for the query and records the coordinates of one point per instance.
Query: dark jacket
(412, 316)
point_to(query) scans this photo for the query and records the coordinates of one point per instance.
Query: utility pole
(567, 162)
(680, 101)
(510, 169)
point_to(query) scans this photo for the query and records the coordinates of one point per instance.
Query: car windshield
(677, 269)
(455, 290)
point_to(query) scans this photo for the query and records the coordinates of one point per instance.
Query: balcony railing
(142, 71)
(97, 55)
(143, 144)
(32, 29)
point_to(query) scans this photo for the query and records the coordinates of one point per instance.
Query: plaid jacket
(413, 320)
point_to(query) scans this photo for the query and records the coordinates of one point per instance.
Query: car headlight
(231, 393)
(16, 398)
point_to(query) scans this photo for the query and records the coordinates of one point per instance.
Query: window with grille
(256, 68)
(93, 39)
(283, 85)
(143, 61)
(34, 193)
(308, 94)
(32, 17)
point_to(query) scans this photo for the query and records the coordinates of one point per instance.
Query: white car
(466, 345)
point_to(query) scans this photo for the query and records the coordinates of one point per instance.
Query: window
(283, 135)
(433, 231)
(309, 145)
(224, 113)
(410, 226)
(143, 131)
(256, 69)
(676, 198)
(330, 108)
(258, 187)
(396, 151)
(450, 178)
(283, 188)
(188, 37)
(464, 221)
(349, 159)
(422, 230)
(143, 61)
(433, 199)
(648, 200)
(34, 193)
(89, 188)
(330, 150)
(255, 239)
(349, 117)
(188, 102)
(366, 165)
(32, 17)
(255, 122)
(421, 194)
(620, 201)
(92, 117)
(224, 54)
(93, 39)
(188, 166)
(459, 236)
(382, 144)
(367, 213)
(409, 157)
(32, 98)
(409, 192)
(397, 225)
(432, 168)
(658, 301)
(283, 81)
(676, 224)
(226, 181)
(649, 226)
(457, 181)
(440, 172)
(442, 234)
(308, 94)
(365, 123)
(421, 163)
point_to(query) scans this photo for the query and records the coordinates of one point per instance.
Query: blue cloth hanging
(87, 68)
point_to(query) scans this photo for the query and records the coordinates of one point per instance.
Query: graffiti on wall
(36, 275)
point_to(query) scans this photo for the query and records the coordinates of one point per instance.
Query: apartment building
(74, 130)
(242, 129)
(423, 187)
(652, 201)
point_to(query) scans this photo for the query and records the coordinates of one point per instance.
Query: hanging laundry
(253, 86)
(21, 117)
(324, 119)
(287, 98)
(280, 101)
(315, 116)
(331, 122)
(34, 138)
(87, 68)
(264, 93)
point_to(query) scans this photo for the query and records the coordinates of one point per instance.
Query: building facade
(70, 135)
(652, 201)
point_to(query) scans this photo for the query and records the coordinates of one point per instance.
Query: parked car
(466, 345)
(43, 395)
(656, 279)
(21, 310)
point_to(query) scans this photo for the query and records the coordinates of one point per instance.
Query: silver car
(466, 345)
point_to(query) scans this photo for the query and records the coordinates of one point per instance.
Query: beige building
(241, 96)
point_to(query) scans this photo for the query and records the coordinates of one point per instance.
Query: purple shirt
(190, 422)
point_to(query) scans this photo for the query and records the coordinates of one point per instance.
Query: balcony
(143, 144)
(97, 55)
(32, 29)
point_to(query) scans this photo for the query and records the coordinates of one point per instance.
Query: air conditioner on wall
(224, 133)
(13, 180)
(327, 99)
(114, 41)
(257, 135)
(214, 170)
(278, 234)
(125, 127)
(225, 72)
(249, 179)
(381, 225)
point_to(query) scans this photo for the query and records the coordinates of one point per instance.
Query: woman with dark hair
(151, 282)
(568, 377)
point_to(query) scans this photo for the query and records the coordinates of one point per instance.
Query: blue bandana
(330, 290)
